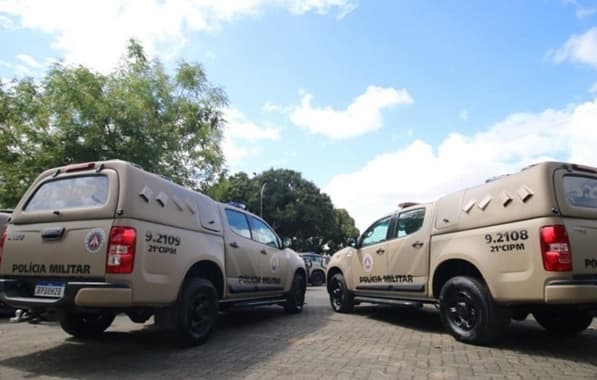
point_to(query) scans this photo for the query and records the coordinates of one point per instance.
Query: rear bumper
(571, 292)
(19, 293)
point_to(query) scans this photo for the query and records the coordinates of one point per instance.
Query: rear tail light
(121, 250)
(555, 249)
(2, 240)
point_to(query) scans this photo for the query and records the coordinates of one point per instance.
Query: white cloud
(29, 61)
(421, 173)
(361, 116)
(18, 69)
(579, 49)
(26, 66)
(593, 89)
(95, 33)
(239, 127)
(271, 107)
(583, 136)
(323, 6)
(7, 23)
(241, 136)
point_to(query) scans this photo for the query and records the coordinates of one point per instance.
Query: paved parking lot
(374, 343)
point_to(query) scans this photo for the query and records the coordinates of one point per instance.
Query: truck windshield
(70, 192)
(581, 191)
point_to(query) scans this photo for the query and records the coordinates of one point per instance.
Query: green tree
(294, 206)
(345, 228)
(170, 125)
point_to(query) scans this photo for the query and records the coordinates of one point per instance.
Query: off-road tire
(469, 313)
(341, 298)
(295, 299)
(317, 278)
(196, 312)
(563, 321)
(85, 325)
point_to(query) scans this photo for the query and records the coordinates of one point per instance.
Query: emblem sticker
(94, 240)
(367, 263)
(275, 263)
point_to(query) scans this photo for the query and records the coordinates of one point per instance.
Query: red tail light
(555, 249)
(121, 250)
(2, 240)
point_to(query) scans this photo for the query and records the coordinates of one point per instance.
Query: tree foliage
(170, 125)
(293, 206)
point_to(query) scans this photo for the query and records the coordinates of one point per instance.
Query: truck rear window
(581, 191)
(70, 192)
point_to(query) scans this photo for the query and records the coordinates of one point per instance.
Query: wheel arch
(452, 268)
(210, 271)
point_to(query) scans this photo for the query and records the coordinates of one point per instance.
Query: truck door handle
(234, 244)
(380, 251)
(263, 251)
(52, 233)
(417, 244)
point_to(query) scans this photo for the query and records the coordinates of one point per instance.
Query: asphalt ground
(375, 342)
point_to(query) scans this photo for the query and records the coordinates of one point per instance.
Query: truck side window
(410, 221)
(238, 223)
(377, 233)
(262, 233)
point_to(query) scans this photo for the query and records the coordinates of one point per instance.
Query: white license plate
(49, 289)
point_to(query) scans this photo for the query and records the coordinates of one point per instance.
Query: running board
(387, 301)
(253, 303)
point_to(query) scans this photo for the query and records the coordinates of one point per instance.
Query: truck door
(271, 262)
(241, 264)
(369, 261)
(254, 262)
(407, 251)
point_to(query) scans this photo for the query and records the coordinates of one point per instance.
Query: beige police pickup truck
(96, 239)
(518, 244)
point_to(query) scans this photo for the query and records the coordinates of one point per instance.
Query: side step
(388, 301)
(253, 303)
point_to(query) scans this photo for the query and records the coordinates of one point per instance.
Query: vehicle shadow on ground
(420, 319)
(241, 340)
(528, 337)
(523, 337)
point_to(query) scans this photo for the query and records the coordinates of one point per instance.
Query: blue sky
(378, 102)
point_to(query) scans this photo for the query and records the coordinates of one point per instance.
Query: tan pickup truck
(518, 244)
(96, 239)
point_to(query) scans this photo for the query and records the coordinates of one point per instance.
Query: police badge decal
(94, 240)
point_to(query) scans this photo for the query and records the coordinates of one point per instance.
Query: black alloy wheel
(340, 297)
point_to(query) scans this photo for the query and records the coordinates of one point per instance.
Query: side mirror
(286, 242)
(352, 242)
